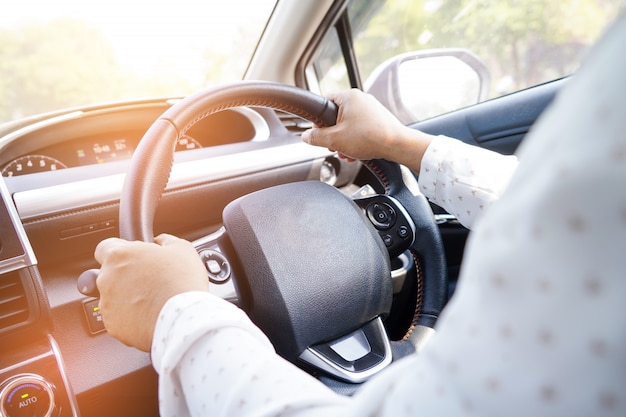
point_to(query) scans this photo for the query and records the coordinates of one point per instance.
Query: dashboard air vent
(293, 123)
(13, 301)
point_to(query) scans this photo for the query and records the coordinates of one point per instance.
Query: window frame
(337, 18)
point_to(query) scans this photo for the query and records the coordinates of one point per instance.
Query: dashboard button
(94, 317)
(27, 395)
(213, 266)
(403, 232)
(217, 266)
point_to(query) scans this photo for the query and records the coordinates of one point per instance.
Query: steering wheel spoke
(355, 357)
(220, 272)
(391, 221)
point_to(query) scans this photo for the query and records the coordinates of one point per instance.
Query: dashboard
(44, 150)
(62, 178)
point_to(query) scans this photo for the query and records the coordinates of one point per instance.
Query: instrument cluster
(83, 152)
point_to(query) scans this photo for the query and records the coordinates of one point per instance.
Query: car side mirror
(420, 84)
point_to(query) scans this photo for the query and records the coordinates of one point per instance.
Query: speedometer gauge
(31, 164)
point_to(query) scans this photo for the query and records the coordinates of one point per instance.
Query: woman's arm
(463, 179)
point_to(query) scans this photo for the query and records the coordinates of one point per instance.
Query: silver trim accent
(209, 241)
(420, 336)
(312, 357)
(28, 361)
(227, 289)
(398, 275)
(328, 173)
(61, 365)
(261, 128)
(56, 352)
(45, 201)
(445, 218)
(365, 191)
(28, 258)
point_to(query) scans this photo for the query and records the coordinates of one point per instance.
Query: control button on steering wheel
(382, 215)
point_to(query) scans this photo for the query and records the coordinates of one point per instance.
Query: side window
(427, 57)
(327, 71)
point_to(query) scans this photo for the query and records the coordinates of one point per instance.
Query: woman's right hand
(365, 129)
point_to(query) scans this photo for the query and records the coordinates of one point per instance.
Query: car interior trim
(43, 201)
(313, 356)
(420, 336)
(443, 218)
(276, 56)
(27, 256)
(399, 274)
(30, 359)
(56, 351)
(50, 135)
(261, 129)
(225, 290)
(498, 125)
(9, 138)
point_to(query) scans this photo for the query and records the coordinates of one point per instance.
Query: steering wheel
(311, 266)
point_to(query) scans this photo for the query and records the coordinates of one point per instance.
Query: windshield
(67, 53)
(424, 58)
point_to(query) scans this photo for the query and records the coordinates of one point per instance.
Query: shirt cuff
(431, 165)
(188, 316)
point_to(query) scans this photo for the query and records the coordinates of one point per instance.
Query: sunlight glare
(173, 36)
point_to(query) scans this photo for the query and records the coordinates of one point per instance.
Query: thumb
(307, 136)
(315, 136)
(106, 247)
(165, 239)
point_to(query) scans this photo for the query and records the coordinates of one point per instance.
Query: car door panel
(499, 125)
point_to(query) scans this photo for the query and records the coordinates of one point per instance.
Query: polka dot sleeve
(464, 179)
(213, 361)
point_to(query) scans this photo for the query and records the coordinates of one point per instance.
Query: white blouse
(538, 323)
